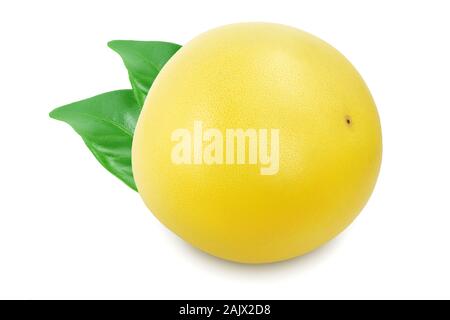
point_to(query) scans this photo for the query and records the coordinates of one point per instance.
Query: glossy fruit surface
(258, 76)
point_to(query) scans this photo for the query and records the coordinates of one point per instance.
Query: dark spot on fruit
(348, 120)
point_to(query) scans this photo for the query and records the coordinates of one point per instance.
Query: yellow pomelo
(258, 79)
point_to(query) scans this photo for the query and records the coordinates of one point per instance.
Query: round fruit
(257, 143)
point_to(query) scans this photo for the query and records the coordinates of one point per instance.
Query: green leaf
(144, 60)
(106, 123)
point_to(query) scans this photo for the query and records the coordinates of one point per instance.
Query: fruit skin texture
(260, 75)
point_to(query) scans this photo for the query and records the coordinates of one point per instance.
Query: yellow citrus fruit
(257, 143)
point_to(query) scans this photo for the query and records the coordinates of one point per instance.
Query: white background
(69, 229)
